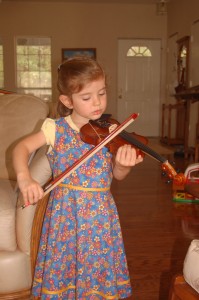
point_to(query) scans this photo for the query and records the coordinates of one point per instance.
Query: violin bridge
(112, 127)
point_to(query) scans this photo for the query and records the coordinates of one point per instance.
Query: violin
(110, 133)
(96, 131)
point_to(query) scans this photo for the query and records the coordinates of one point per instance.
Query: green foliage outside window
(34, 66)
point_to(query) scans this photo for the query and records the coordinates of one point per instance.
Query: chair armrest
(36, 230)
(41, 172)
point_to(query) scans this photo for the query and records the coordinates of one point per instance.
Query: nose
(96, 100)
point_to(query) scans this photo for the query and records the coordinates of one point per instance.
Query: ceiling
(93, 1)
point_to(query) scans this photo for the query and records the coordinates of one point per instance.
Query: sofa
(20, 115)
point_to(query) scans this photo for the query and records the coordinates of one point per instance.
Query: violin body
(96, 131)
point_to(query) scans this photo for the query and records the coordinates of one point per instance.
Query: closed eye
(103, 92)
(86, 97)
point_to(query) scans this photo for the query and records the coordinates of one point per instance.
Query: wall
(182, 16)
(80, 25)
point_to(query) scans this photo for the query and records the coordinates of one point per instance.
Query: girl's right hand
(31, 191)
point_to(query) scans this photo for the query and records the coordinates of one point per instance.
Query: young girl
(81, 254)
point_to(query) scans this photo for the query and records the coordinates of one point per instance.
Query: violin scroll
(178, 178)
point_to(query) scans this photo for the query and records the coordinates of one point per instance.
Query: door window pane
(139, 51)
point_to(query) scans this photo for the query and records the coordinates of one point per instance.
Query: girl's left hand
(126, 157)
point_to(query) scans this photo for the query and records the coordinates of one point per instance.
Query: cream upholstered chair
(20, 115)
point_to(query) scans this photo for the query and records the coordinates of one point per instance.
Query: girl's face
(89, 103)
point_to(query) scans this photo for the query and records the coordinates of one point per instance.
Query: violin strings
(143, 147)
(135, 142)
(94, 130)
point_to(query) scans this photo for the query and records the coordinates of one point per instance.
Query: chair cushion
(20, 116)
(8, 197)
(15, 272)
(191, 265)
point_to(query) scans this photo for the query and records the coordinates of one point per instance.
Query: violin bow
(87, 155)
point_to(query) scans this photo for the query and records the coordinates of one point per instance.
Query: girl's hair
(73, 75)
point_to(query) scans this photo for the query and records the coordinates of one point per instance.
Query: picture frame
(71, 52)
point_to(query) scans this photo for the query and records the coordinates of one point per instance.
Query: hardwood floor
(157, 231)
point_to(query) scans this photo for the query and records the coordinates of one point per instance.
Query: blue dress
(81, 254)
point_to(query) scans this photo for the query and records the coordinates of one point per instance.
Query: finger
(41, 193)
(30, 196)
(126, 155)
(118, 154)
(131, 156)
(121, 154)
(139, 159)
(25, 198)
(36, 194)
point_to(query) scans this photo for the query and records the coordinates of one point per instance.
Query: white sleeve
(48, 129)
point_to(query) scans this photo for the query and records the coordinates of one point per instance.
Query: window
(1, 65)
(33, 66)
(139, 51)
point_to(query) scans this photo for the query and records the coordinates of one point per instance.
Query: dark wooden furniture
(184, 99)
(181, 290)
(188, 96)
(176, 114)
(36, 230)
(173, 114)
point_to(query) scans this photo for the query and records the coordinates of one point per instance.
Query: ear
(66, 101)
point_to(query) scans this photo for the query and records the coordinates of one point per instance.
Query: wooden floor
(157, 231)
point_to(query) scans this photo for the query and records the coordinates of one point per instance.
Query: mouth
(97, 112)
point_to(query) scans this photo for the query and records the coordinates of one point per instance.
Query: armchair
(20, 115)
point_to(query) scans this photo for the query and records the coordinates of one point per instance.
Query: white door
(139, 84)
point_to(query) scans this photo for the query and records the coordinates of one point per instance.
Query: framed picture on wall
(70, 52)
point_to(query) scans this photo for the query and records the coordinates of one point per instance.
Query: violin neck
(144, 148)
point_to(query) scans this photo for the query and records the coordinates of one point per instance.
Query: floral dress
(81, 254)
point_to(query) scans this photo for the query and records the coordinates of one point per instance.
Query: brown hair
(73, 75)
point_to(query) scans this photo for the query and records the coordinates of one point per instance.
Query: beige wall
(81, 25)
(181, 16)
